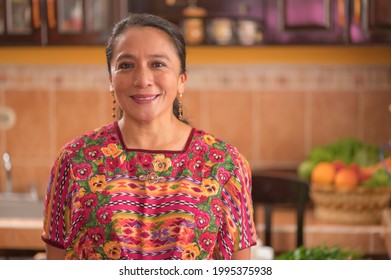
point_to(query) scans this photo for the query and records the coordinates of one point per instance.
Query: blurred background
(275, 78)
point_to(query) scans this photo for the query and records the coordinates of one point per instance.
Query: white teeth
(145, 98)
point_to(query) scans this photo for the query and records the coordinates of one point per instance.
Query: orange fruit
(346, 179)
(323, 173)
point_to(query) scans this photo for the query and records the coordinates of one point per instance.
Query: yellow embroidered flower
(112, 250)
(191, 252)
(97, 183)
(209, 187)
(111, 150)
(209, 139)
(82, 192)
(161, 163)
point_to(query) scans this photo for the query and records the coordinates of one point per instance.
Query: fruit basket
(358, 206)
(350, 181)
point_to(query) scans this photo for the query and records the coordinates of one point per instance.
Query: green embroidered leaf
(213, 228)
(94, 168)
(202, 255)
(174, 187)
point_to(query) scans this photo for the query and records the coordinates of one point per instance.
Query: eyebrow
(127, 55)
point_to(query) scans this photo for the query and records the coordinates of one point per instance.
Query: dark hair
(149, 20)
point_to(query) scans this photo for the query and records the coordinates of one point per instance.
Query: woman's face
(145, 74)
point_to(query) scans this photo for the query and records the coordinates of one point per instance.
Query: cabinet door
(306, 21)
(370, 21)
(79, 22)
(20, 22)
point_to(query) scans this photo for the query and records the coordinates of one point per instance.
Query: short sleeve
(56, 210)
(238, 229)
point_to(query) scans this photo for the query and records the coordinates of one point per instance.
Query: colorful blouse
(105, 201)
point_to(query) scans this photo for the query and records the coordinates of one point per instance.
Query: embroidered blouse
(105, 201)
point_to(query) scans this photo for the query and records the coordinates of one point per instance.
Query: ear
(111, 87)
(182, 82)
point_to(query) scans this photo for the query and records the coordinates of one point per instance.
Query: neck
(171, 135)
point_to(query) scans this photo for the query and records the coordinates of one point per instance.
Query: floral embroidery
(128, 204)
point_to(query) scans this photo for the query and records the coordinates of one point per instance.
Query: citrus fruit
(323, 173)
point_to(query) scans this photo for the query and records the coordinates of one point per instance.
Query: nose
(142, 77)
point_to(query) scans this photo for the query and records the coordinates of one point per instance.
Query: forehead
(145, 37)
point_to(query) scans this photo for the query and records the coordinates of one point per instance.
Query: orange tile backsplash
(274, 113)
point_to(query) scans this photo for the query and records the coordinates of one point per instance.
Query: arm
(54, 253)
(244, 254)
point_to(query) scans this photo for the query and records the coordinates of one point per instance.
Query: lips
(144, 99)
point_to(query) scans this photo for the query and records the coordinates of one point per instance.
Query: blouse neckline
(189, 139)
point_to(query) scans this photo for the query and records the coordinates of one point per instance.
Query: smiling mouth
(144, 99)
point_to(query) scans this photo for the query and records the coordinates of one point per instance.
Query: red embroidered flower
(145, 160)
(223, 175)
(89, 201)
(97, 236)
(93, 153)
(112, 163)
(199, 147)
(104, 215)
(196, 164)
(216, 207)
(130, 166)
(76, 144)
(216, 155)
(207, 240)
(179, 163)
(82, 170)
(202, 219)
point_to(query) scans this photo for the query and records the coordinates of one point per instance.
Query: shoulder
(216, 143)
(95, 137)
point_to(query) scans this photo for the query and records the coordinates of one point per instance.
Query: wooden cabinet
(306, 21)
(229, 18)
(370, 21)
(20, 22)
(57, 22)
(88, 22)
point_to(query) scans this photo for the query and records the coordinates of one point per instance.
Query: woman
(148, 186)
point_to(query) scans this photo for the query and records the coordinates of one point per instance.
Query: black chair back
(273, 190)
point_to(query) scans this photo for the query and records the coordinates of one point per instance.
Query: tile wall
(274, 113)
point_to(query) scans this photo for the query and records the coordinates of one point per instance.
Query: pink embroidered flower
(97, 236)
(93, 153)
(202, 219)
(199, 147)
(216, 155)
(145, 160)
(223, 175)
(82, 170)
(104, 215)
(207, 240)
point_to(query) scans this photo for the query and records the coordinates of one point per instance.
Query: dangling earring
(113, 108)
(180, 107)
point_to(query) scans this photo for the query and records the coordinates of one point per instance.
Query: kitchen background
(275, 97)
(273, 111)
